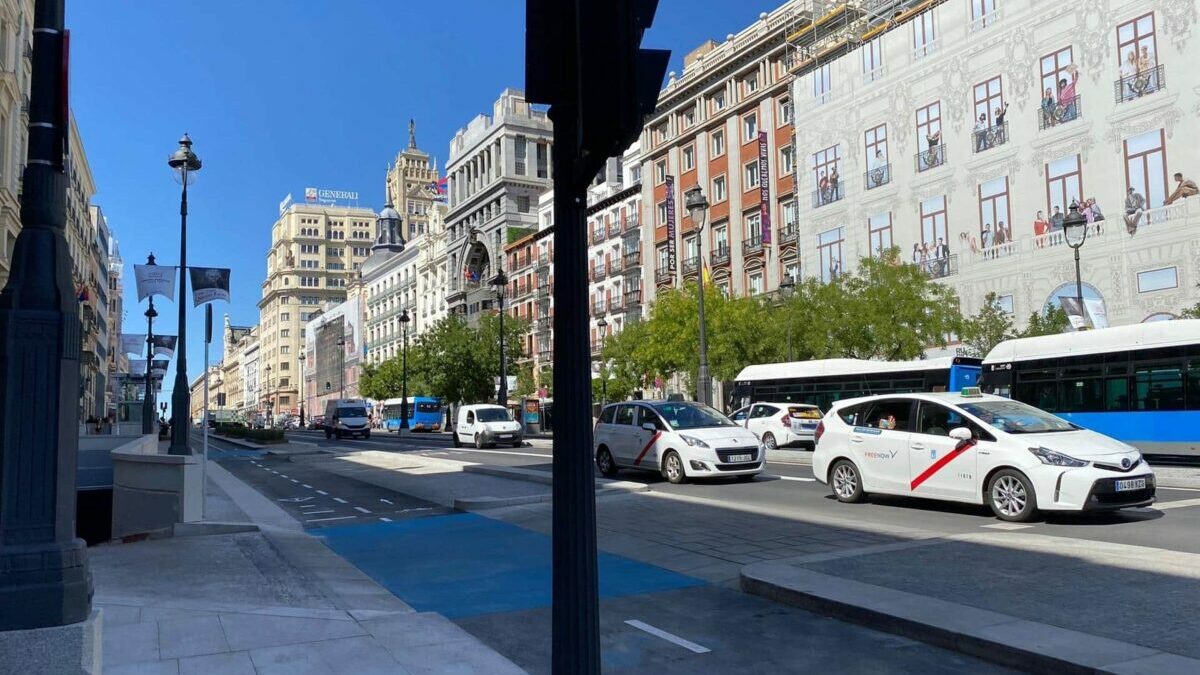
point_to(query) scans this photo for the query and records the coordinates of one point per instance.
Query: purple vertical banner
(671, 252)
(764, 188)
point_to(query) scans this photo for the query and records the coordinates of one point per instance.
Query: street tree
(1050, 321)
(990, 326)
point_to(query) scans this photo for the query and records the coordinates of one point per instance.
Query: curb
(210, 528)
(546, 478)
(238, 441)
(1000, 638)
(485, 503)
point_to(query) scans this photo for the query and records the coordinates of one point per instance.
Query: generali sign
(313, 194)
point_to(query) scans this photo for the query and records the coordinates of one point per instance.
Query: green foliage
(1192, 312)
(459, 363)
(986, 329)
(1051, 321)
(525, 384)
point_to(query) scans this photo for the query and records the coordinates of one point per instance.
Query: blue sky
(278, 95)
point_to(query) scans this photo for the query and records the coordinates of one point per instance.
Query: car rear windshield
(491, 415)
(425, 406)
(1017, 418)
(352, 412)
(686, 415)
(804, 413)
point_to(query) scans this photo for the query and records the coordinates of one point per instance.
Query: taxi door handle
(856, 439)
(917, 446)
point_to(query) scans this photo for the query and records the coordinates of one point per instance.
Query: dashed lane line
(361, 509)
(795, 478)
(340, 500)
(314, 513)
(295, 481)
(669, 637)
(307, 485)
(1182, 503)
(322, 492)
(322, 520)
(1007, 526)
(387, 501)
(386, 520)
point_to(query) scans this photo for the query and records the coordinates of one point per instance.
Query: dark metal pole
(575, 648)
(180, 394)
(1079, 287)
(502, 393)
(404, 378)
(44, 576)
(148, 399)
(704, 386)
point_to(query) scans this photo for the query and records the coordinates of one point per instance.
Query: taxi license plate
(1131, 484)
(504, 436)
(740, 458)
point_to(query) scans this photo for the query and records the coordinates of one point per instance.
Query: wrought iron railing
(880, 175)
(939, 268)
(829, 194)
(931, 158)
(752, 245)
(1061, 112)
(1137, 85)
(720, 256)
(988, 138)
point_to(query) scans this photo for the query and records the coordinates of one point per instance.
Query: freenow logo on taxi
(880, 454)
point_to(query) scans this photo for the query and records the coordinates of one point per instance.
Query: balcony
(545, 290)
(520, 263)
(632, 223)
(663, 276)
(598, 273)
(828, 194)
(598, 308)
(789, 235)
(880, 175)
(597, 235)
(931, 158)
(985, 21)
(1133, 87)
(543, 262)
(939, 268)
(1060, 113)
(995, 135)
(720, 256)
(614, 304)
(545, 325)
(997, 251)
(752, 246)
(633, 298)
(614, 228)
(545, 354)
(925, 50)
(632, 259)
(691, 265)
(614, 265)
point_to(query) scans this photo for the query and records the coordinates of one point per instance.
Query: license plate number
(504, 436)
(1131, 484)
(740, 458)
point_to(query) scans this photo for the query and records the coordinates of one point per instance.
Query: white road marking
(340, 500)
(796, 478)
(1179, 504)
(313, 513)
(361, 509)
(295, 481)
(385, 501)
(776, 461)
(283, 475)
(294, 499)
(310, 506)
(1007, 526)
(322, 492)
(506, 452)
(307, 485)
(321, 520)
(420, 508)
(386, 520)
(674, 639)
(1185, 489)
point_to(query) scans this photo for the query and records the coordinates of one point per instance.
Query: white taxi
(979, 449)
(779, 425)
(679, 439)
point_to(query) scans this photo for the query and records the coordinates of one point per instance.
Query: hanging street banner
(159, 367)
(137, 367)
(132, 344)
(764, 189)
(671, 224)
(164, 345)
(209, 284)
(1074, 310)
(155, 280)
(1096, 312)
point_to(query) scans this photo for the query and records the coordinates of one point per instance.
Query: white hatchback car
(780, 425)
(978, 449)
(679, 439)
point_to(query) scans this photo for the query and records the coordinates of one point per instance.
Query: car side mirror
(960, 433)
(649, 426)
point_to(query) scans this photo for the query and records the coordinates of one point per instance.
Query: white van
(486, 425)
(347, 417)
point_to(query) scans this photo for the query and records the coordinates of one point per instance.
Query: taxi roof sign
(972, 392)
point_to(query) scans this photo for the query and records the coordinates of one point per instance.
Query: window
(1064, 185)
(718, 101)
(522, 203)
(983, 14)
(989, 100)
(285, 316)
(924, 35)
(789, 216)
(787, 160)
(750, 127)
(750, 83)
(662, 214)
(791, 270)
(1158, 387)
(1058, 78)
(878, 169)
(1137, 51)
(1005, 303)
(1146, 167)
(752, 221)
(664, 258)
(929, 130)
(285, 349)
(829, 244)
(718, 189)
(933, 221)
(872, 60)
(879, 231)
(624, 415)
(310, 264)
(751, 175)
(825, 172)
(691, 247)
(721, 238)
(660, 172)
(891, 414)
(755, 283)
(994, 222)
(689, 157)
(285, 333)
(718, 143)
(822, 83)
(1157, 280)
(689, 117)
(785, 115)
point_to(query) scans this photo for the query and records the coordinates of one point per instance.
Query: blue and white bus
(1138, 383)
(823, 381)
(424, 413)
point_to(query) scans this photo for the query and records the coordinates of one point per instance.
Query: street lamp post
(404, 319)
(786, 288)
(603, 326)
(341, 343)
(148, 399)
(697, 207)
(500, 281)
(1075, 232)
(303, 388)
(186, 164)
(270, 401)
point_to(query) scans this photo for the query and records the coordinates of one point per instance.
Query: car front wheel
(846, 482)
(479, 442)
(673, 468)
(604, 462)
(1010, 496)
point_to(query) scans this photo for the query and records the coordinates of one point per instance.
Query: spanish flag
(705, 274)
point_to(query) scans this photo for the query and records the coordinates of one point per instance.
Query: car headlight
(693, 441)
(1053, 458)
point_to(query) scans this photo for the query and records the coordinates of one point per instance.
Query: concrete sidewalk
(1035, 602)
(275, 600)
